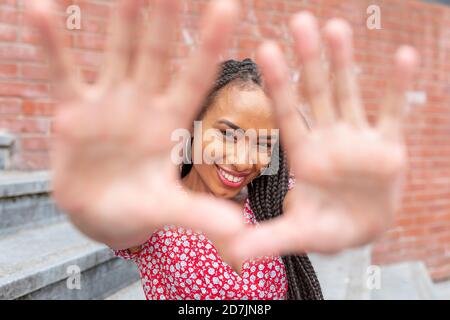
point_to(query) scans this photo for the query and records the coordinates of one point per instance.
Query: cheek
(260, 156)
(215, 149)
(205, 171)
(208, 151)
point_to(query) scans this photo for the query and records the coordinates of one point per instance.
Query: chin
(226, 194)
(221, 191)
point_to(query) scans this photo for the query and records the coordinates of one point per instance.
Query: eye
(228, 134)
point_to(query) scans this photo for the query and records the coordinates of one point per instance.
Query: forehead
(246, 106)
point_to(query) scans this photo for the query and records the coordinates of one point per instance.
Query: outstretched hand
(348, 172)
(112, 170)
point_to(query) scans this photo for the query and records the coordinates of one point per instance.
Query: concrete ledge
(96, 283)
(25, 201)
(442, 290)
(25, 212)
(16, 183)
(132, 292)
(33, 259)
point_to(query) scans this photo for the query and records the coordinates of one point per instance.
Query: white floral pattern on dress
(179, 264)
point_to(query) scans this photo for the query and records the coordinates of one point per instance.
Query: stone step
(132, 292)
(442, 290)
(404, 281)
(38, 264)
(25, 201)
(343, 276)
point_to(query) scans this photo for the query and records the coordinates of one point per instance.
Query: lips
(229, 179)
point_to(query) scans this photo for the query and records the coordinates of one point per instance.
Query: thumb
(220, 220)
(267, 239)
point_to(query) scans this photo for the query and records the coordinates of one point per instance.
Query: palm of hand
(346, 190)
(348, 172)
(111, 158)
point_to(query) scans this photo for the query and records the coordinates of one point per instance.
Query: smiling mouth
(229, 179)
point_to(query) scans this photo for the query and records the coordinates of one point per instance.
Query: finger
(60, 71)
(268, 239)
(154, 53)
(216, 217)
(308, 48)
(276, 75)
(394, 107)
(338, 34)
(121, 42)
(219, 219)
(190, 89)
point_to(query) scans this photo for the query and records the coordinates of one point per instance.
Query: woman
(172, 268)
(114, 176)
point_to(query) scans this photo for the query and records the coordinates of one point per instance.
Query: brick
(8, 70)
(34, 72)
(9, 16)
(11, 3)
(17, 52)
(21, 126)
(8, 33)
(27, 90)
(33, 160)
(35, 143)
(33, 108)
(10, 106)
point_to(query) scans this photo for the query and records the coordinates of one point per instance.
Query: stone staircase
(350, 276)
(132, 292)
(42, 256)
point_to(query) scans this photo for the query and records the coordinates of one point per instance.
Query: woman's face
(238, 158)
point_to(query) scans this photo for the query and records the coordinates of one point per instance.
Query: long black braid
(267, 192)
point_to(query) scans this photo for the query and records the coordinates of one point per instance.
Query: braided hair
(267, 192)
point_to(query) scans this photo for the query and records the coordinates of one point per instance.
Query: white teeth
(229, 177)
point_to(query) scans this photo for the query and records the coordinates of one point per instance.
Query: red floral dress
(179, 264)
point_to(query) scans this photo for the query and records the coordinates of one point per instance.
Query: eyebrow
(236, 127)
(230, 124)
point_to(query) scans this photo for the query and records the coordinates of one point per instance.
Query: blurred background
(43, 257)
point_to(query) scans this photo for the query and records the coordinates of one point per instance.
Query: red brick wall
(423, 225)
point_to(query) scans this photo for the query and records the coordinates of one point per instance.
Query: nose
(243, 167)
(242, 160)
